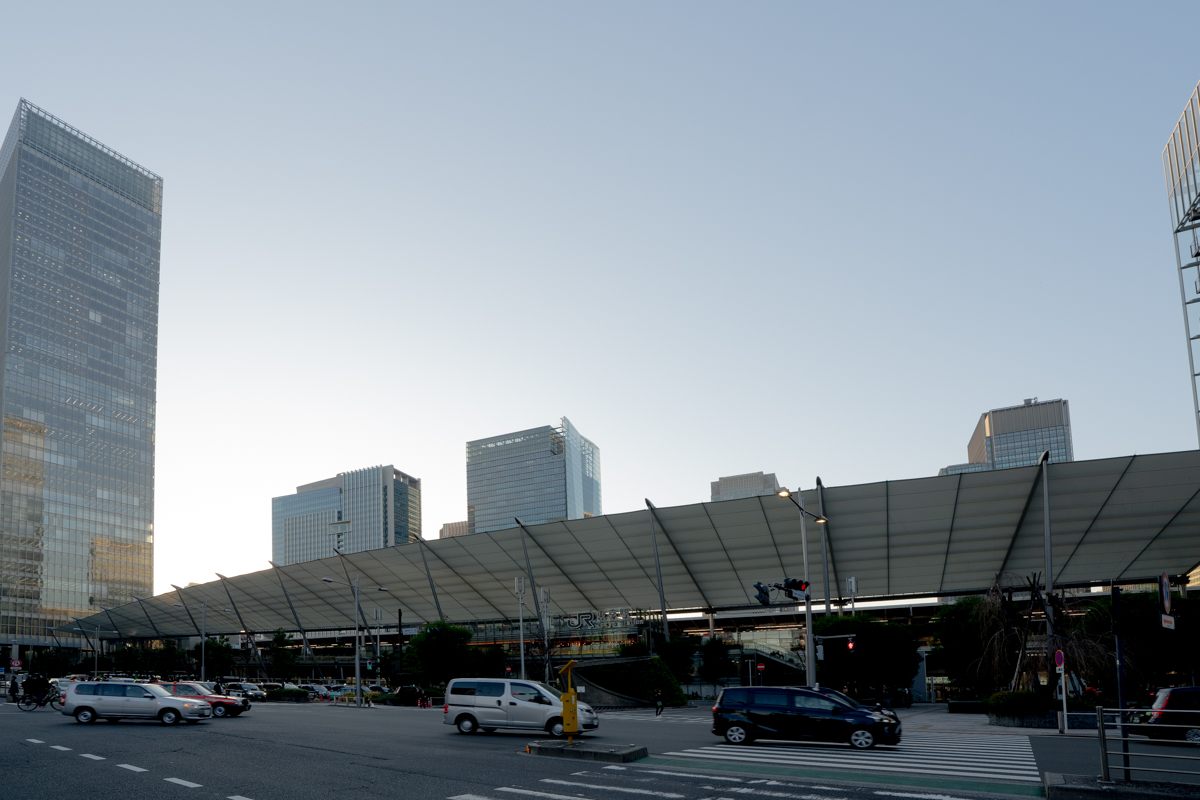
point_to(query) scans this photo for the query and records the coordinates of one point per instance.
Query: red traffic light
(850, 645)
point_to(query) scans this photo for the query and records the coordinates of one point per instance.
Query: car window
(85, 690)
(154, 688)
(112, 690)
(814, 703)
(1161, 700)
(530, 694)
(770, 699)
(135, 691)
(195, 688)
(463, 687)
(734, 697)
(490, 689)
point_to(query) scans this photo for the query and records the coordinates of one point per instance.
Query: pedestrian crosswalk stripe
(992, 757)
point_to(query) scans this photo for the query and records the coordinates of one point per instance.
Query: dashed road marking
(466, 797)
(182, 782)
(131, 767)
(58, 747)
(92, 757)
(649, 792)
(688, 775)
(236, 797)
(35, 741)
(918, 796)
(532, 793)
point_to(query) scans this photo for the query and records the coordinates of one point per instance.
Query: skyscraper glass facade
(1017, 436)
(538, 475)
(80, 227)
(377, 506)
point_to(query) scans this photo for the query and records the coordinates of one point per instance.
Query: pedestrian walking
(658, 702)
(14, 688)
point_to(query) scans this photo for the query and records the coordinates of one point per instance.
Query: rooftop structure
(750, 484)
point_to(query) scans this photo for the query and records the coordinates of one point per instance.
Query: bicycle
(53, 699)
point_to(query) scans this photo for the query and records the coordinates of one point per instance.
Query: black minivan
(744, 714)
(1178, 710)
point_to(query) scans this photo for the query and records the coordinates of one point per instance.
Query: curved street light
(809, 650)
(357, 644)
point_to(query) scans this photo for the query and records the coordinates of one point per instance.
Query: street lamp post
(95, 647)
(203, 630)
(809, 651)
(357, 635)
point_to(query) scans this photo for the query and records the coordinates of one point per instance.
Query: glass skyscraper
(80, 227)
(539, 475)
(361, 510)
(1017, 436)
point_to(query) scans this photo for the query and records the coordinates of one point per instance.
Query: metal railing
(1136, 721)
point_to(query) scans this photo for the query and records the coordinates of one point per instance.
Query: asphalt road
(318, 751)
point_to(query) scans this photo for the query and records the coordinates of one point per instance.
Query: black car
(742, 715)
(1175, 707)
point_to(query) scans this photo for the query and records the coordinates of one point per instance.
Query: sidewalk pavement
(935, 718)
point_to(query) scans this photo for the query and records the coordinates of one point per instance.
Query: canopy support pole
(149, 619)
(179, 591)
(295, 616)
(429, 575)
(242, 622)
(662, 598)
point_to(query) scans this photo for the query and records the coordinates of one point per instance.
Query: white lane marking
(532, 793)
(464, 797)
(182, 782)
(92, 757)
(236, 797)
(769, 793)
(35, 741)
(613, 788)
(58, 747)
(687, 775)
(131, 767)
(610, 766)
(920, 796)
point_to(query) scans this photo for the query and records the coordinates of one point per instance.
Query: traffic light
(850, 645)
(763, 593)
(820, 652)
(795, 588)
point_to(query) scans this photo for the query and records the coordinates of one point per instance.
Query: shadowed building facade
(80, 227)
(1017, 436)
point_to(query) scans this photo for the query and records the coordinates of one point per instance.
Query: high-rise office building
(751, 484)
(354, 511)
(79, 247)
(1182, 168)
(453, 529)
(539, 475)
(1017, 436)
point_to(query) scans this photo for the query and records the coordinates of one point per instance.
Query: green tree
(133, 658)
(168, 660)
(677, 655)
(438, 653)
(961, 641)
(283, 656)
(1154, 656)
(715, 663)
(219, 658)
(884, 659)
(54, 662)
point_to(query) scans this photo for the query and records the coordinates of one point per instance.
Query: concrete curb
(1086, 787)
(587, 751)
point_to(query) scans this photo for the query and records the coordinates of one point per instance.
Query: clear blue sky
(810, 239)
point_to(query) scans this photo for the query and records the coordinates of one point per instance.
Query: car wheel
(862, 739)
(466, 724)
(1192, 735)
(555, 728)
(736, 734)
(488, 730)
(219, 710)
(169, 716)
(85, 716)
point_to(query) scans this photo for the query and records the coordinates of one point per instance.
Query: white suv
(490, 703)
(88, 702)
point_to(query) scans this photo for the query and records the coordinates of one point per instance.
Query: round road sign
(762, 667)
(15, 663)
(1058, 658)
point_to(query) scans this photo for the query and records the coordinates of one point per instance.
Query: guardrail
(1123, 719)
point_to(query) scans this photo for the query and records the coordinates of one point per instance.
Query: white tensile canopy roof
(1126, 519)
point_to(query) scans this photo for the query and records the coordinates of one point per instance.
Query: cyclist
(37, 686)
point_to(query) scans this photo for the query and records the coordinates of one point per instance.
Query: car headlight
(881, 718)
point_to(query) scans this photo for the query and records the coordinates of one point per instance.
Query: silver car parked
(491, 703)
(87, 702)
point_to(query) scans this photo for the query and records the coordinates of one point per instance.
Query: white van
(491, 703)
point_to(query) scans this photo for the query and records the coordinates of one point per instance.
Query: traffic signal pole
(810, 652)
